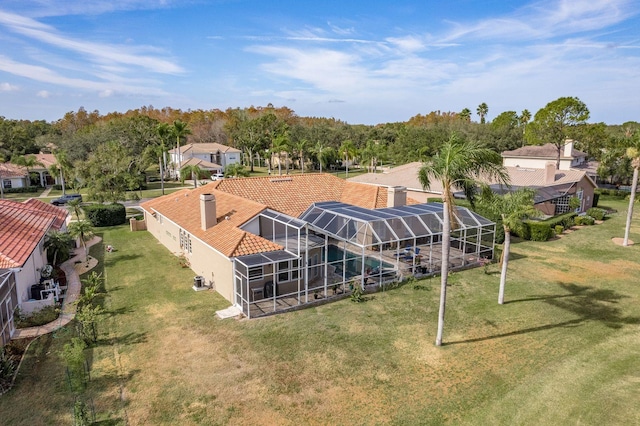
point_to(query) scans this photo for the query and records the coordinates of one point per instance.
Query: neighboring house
(14, 176)
(47, 160)
(213, 157)
(23, 227)
(269, 244)
(553, 188)
(537, 156)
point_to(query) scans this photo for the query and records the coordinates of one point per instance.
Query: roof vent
(281, 180)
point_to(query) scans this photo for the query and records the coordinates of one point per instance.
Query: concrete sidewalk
(68, 310)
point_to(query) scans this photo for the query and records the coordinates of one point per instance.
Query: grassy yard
(564, 349)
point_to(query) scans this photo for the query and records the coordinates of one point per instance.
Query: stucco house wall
(216, 268)
(29, 274)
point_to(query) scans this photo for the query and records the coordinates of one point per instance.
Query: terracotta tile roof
(47, 160)
(183, 208)
(541, 151)
(22, 226)
(59, 212)
(405, 175)
(9, 170)
(240, 199)
(203, 164)
(293, 194)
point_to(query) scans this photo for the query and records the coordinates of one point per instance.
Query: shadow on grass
(125, 340)
(113, 260)
(583, 301)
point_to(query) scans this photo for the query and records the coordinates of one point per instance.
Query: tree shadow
(119, 311)
(587, 303)
(124, 340)
(113, 260)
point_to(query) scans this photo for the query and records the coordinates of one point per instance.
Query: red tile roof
(240, 199)
(293, 194)
(22, 227)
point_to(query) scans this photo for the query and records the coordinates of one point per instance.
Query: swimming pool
(353, 262)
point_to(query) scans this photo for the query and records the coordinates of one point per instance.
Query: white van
(217, 176)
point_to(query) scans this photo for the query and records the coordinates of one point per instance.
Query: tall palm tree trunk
(161, 174)
(444, 268)
(634, 187)
(505, 263)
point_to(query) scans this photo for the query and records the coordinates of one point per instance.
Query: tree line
(121, 146)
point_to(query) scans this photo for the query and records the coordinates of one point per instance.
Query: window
(255, 274)
(185, 241)
(6, 183)
(288, 271)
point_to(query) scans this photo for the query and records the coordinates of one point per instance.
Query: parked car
(65, 199)
(217, 176)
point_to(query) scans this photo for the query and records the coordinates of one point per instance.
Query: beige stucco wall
(216, 268)
(29, 275)
(534, 163)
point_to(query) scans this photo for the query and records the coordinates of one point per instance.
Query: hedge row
(22, 190)
(105, 214)
(544, 229)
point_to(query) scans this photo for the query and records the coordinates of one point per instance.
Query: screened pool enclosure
(334, 246)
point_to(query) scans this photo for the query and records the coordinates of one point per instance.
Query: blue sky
(361, 62)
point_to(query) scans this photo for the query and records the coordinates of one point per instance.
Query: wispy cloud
(96, 52)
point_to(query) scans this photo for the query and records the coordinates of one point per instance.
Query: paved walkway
(46, 192)
(68, 310)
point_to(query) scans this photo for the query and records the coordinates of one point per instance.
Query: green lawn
(564, 349)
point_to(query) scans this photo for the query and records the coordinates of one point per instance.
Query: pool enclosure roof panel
(365, 227)
(266, 258)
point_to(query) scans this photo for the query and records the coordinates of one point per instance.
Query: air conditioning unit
(198, 283)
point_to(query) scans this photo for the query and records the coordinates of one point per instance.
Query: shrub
(559, 229)
(434, 200)
(540, 231)
(41, 317)
(7, 368)
(596, 213)
(105, 214)
(585, 220)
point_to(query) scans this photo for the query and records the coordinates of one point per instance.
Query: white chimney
(568, 148)
(396, 196)
(207, 211)
(549, 173)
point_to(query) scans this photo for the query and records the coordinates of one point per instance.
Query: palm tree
(28, 162)
(300, 146)
(320, 151)
(482, 110)
(2, 160)
(457, 165)
(371, 153)
(64, 166)
(179, 130)
(465, 114)
(280, 144)
(57, 246)
(75, 206)
(83, 231)
(634, 154)
(192, 170)
(164, 132)
(348, 150)
(513, 208)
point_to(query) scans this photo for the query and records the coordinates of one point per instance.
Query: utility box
(198, 283)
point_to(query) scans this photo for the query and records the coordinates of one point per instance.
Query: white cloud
(43, 94)
(8, 87)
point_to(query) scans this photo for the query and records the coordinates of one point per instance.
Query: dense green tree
(193, 171)
(457, 165)
(110, 172)
(557, 121)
